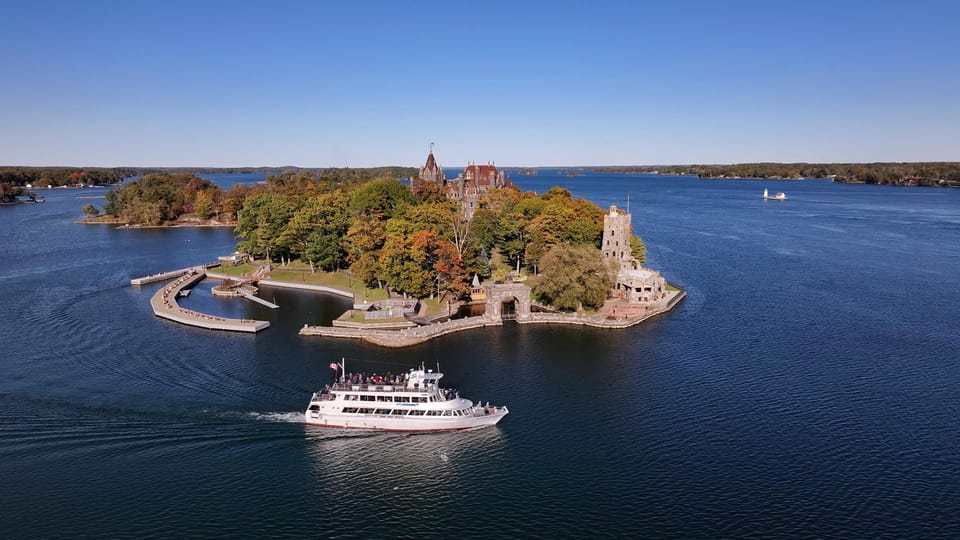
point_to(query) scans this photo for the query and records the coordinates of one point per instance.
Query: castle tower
(617, 231)
(431, 171)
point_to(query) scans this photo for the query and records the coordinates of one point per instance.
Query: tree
(421, 263)
(90, 210)
(380, 198)
(363, 244)
(314, 231)
(203, 203)
(262, 222)
(574, 276)
(638, 249)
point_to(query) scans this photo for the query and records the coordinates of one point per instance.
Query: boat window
(367, 398)
(398, 411)
(314, 407)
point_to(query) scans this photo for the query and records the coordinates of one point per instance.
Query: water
(807, 387)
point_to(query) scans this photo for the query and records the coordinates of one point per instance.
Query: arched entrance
(507, 301)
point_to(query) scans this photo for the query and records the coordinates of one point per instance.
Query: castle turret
(431, 171)
(635, 284)
(617, 231)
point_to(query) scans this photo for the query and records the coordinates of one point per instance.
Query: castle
(467, 188)
(634, 283)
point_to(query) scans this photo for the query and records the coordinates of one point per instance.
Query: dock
(258, 300)
(164, 276)
(164, 304)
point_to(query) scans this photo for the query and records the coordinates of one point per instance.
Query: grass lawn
(434, 306)
(237, 270)
(357, 317)
(297, 272)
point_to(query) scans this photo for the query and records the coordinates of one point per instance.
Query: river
(807, 386)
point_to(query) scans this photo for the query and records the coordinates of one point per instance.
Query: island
(435, 255)
(930, 174)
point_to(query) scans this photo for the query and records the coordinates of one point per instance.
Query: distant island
(940, 174)
(44, 177)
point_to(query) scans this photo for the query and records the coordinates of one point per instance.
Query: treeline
(931, 173)
(42, 177)
(164, 198)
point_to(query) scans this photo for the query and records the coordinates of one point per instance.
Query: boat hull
(386, 423)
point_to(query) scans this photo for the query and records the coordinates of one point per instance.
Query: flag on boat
(334, 366)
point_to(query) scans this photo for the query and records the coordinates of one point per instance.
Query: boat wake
(282, 417)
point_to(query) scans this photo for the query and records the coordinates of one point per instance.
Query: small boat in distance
(413, 401)
(184, 293)
(780, 196)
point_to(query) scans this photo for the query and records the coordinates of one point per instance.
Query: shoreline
(164, 306)
(421, 334)
(125, 225)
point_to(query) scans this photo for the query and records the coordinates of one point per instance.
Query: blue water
(807, 387)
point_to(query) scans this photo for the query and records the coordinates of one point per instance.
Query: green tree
(638, 249)
(90, 210)
(574, 276)
(380, 198)
(261, 225)
(315, 229)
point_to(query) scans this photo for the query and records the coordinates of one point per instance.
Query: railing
(342, 387)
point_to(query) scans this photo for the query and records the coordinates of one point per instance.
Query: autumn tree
(363, 244)
(422, 263)
(204, 204)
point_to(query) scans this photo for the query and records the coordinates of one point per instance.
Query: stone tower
(617, 231)
(431, 171)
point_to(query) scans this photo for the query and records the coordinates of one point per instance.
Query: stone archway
(516, 295)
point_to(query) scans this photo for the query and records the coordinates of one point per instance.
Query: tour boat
(410, 402)
(780, 196)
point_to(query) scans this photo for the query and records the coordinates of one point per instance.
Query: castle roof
(431, 164)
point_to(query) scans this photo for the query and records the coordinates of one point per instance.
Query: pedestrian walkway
(164, 304)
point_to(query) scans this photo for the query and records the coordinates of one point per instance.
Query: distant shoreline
(122, 224)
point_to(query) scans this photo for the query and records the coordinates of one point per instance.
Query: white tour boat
(411, 402)
(780, 196)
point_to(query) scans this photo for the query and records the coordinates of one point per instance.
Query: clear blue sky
(166, 83)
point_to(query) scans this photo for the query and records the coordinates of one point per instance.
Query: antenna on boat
(438, 366)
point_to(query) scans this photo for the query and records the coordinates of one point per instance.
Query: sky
(559, 83)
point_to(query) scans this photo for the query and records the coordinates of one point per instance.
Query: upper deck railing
(342, 387)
